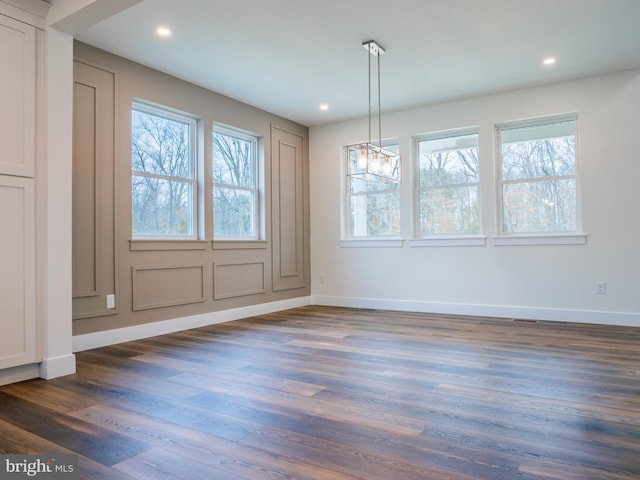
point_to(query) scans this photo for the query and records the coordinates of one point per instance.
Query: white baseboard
(57, 367)
(137, 332)
(500, 311)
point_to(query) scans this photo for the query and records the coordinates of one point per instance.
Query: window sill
(239, 244)
(449, 241)
(165, 245)
(372, 243)
(557, 239)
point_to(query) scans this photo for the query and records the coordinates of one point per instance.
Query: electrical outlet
(111, 301)
(601, 287)
(323, 278)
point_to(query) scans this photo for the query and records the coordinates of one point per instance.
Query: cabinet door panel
(17, 97)
(17, 273)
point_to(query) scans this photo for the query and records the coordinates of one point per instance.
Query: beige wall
(155, 281)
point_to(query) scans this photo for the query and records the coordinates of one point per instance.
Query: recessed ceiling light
(549, 61)
(163, 32)
(324, 107)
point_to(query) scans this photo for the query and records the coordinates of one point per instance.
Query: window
(235, 185)
(163, 173)
(373, 208)
(449, 182)
(538, 176)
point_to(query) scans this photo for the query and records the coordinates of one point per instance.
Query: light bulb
(375, 163)
(362, 158)
(386, 165)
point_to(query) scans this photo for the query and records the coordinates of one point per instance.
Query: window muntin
(236, 190)
(373, 208)
(448, 184)
(163, 173)
(538, 185)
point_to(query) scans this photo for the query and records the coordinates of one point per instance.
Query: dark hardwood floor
(333, 393)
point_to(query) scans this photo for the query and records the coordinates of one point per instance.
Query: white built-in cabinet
(17, 274)
(18, 317)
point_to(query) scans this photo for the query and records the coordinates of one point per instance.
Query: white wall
(554, 282)
(57, 359)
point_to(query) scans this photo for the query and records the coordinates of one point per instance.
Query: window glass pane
(374, 214)
(233, 212)
(235, 190)
(448, 161)
(361, 186)
(162, 173)
(449, 210)
(161, 207)
(539, 206)
(374, 208)
(448, 181)
(531, 157)
(160, 145)
(232, 160)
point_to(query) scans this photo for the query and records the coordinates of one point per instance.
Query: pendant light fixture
(369, 161)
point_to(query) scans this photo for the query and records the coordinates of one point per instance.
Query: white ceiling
(289, 56)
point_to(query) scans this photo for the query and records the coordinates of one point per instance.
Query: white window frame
(444, 239)
(349, 240)
(575, 237)
(256, 189)
(182, 117)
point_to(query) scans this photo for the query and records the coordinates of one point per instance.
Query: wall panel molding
(166, 286)
(287, 164)
(138, 245)
(237, 279)
(94, 200)
(85, 236)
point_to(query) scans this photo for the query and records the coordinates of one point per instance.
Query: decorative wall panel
(94, 262)
(166, 286)
(237, 279)
(287, 209)
(84, 192)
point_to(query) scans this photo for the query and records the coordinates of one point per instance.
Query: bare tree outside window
(162, 177)
(235, 189)
(449, 185)
(538, 167)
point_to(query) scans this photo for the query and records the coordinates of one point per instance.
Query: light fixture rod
(375, 49)
(369, 79)
(379, 110)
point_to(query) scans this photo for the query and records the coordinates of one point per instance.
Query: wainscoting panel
(84, 192)
(237, 279)
(166, 286)
(94, 258)
(287, 209)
